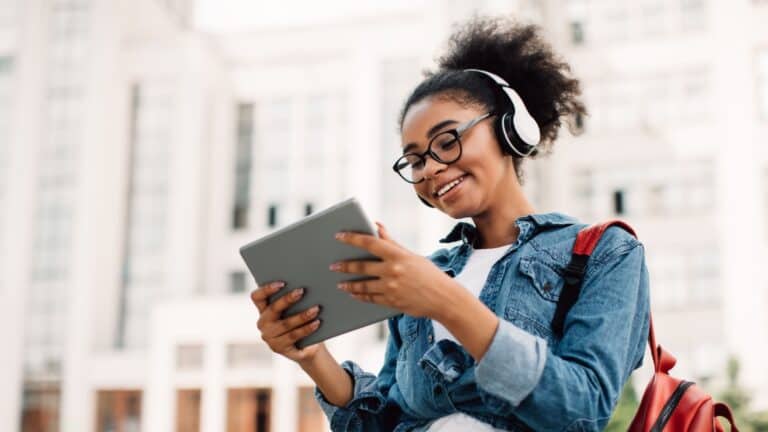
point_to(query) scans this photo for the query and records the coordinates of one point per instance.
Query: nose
(432, 167)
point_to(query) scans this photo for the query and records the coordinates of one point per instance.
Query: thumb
(383, 233)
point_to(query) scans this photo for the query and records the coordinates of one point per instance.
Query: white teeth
(449, 186)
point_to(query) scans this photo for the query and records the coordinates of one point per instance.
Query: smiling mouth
(447, 187)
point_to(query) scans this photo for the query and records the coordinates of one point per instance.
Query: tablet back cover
(300, 255)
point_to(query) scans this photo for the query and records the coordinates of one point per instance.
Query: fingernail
(313, 310)
(298, 292)
(340, 235)
(316, 323)
(335, 266)
(342, 286)
(277, 285)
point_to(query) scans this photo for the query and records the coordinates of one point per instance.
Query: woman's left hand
(406, 281)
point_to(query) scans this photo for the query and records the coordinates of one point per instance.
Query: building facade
(137, 154)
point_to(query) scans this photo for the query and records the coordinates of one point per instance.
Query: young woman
(473, 349)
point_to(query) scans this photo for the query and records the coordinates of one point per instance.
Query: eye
(446, 141)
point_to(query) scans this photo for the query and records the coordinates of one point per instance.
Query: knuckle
(397, 269)
(390, 284)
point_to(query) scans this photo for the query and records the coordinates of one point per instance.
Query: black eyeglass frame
(457, 132)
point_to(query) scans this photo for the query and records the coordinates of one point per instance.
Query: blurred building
(137, 155)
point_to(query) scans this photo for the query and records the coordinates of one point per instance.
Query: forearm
(332, 380)
(469, 320)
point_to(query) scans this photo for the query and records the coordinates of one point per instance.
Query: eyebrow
(432, 131)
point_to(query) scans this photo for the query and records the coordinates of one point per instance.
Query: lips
(442, 185)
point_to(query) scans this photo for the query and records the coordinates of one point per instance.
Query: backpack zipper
(670, 406)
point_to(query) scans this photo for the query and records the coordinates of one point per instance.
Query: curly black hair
(517, 53)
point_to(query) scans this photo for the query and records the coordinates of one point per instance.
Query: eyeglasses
(410, 166)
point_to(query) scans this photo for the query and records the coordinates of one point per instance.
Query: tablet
(300, 255)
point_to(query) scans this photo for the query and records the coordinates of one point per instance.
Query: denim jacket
(529, 378)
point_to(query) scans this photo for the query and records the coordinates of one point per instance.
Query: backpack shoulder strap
(586, 241)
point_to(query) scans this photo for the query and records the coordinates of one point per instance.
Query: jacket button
(429, 338)
(547, 286)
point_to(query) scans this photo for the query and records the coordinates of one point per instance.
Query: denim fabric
(529, 379)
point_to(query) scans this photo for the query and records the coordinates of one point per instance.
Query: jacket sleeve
(577, 387)
(371, 407)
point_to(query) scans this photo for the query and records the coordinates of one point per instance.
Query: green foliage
(625, 409)
(738, 399)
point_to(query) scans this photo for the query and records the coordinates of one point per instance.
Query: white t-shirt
(472, 277)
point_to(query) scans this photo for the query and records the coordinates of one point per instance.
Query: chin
(459, 211)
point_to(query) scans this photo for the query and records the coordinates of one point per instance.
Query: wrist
(311, 362)
(454, 306)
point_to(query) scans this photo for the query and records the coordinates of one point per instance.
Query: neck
(496, 226)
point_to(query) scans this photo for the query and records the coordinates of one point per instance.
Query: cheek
(420, 189)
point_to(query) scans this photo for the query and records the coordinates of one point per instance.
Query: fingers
(363, 287)
(287, 340)
(279, 328)
(369, 298)
(260, 295)
(379, 247)
(364, 267)
(273, 310)
(383, 233)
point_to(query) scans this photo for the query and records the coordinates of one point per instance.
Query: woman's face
(482, 168)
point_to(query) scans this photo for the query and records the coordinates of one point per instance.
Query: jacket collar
(528, 224)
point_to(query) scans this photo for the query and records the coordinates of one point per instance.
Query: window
(6, 64)
(578, 123)
(152, 107)
(576, 13)
(311, 417)
(577, 32)
(189, 357)
(618, 202)
(272, 216)
(188, 410)
(118, 410)
(248, 355)
(249, 410)
(40, 408)
(237, 282)
(240, 216)
(244, 137)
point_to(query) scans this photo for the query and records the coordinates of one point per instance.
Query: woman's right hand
(282, 334)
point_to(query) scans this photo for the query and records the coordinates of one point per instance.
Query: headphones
(517, 132)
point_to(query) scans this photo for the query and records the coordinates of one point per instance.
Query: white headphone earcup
(509, 138)
(525, 126)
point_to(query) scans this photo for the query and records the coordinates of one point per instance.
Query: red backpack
(668, 404)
